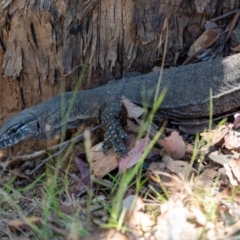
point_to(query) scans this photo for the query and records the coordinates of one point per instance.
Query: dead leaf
(85, 174)
(133, 127)
(174, 145)
(215, 136)
(133, 203)
(236, 122)
(82, 167)
(102, 163)
(210, 25)
(133, 110)
(19, 173)
(3, 155)
(221, 159)
(70, 204)
(194, 30)
(22, 224)
(228, 194)
(68, 209)
(207, 177)
(83, 183)
(134, 218)
(206, 37)
(199, 215)
(236, 49)
(99, 198)
(235, 36)
(232, 141)
(181, 168)
(233, 171)
(235, 167)
(134, 155)
(229, 173)
(156, 166)
(140, 222)
(153, 128)
(170, 181)
(232, 230)
(173, 222)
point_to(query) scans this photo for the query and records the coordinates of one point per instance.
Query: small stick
(62, 145)
(232, 25)
(223, 16)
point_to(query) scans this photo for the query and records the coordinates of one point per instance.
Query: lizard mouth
(6, 142)
(9, 141)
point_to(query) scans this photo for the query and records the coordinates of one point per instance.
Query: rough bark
(42, 41)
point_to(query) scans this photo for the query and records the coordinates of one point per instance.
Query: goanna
(187, 96)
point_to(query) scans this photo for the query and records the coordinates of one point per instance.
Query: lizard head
(21, 127)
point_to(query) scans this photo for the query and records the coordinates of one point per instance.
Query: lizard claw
(121, 152)
(120, 149)
(106, 145)
(125, 136)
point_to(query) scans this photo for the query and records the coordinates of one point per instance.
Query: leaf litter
(194, 187)
(188, 194)
(190, 189)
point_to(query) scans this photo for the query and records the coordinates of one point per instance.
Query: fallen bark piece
(103, 163)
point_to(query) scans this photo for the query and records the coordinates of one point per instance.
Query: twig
(223, 16)
(204, 47)
(62, 145)
(47, 159)
(66, 144)
(65, 75)
(232, 25)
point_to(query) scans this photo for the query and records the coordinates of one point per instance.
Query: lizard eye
(12, 131)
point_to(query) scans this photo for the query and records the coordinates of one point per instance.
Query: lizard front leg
(114, 133)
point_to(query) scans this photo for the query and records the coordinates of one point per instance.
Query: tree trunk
(45, 43)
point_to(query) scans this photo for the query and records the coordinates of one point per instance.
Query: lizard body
(188, 96)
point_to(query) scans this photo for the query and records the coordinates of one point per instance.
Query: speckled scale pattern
(114, 132)
(187, 96)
